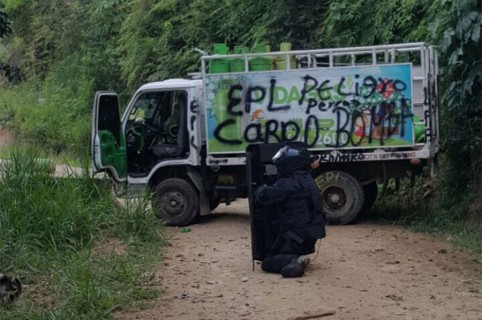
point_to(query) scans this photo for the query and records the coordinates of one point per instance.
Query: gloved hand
(258, 194)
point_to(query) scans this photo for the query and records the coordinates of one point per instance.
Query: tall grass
(52, 232)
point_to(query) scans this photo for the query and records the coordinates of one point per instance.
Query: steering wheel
(141, 134)
(143, 124)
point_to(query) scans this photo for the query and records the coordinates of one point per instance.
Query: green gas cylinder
(219, 65)
(280, 61)
(237, 64)
(260, 63)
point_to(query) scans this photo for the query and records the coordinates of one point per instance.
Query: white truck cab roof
(171, 84)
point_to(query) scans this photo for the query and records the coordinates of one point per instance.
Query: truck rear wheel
(342, 196)
(176, 202)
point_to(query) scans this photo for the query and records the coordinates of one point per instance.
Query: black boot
(294, 269)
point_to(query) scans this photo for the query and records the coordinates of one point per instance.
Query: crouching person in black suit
(300, 217)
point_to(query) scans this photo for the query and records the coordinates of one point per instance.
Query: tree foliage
(461, 44)
(370, 22)
(157, 38)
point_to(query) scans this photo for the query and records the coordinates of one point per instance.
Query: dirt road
(362, 271)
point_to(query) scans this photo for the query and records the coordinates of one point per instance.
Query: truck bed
(348, 104)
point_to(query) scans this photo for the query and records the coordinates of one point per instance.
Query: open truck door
(108, 140)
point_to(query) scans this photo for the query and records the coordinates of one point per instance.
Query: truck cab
(157, 138)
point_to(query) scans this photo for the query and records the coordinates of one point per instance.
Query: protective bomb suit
(300, 217)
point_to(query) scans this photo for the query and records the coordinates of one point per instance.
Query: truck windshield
(144, 107)
(158, 108)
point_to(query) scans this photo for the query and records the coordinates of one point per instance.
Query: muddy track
(362, 271)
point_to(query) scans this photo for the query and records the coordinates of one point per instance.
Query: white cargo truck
(366, 113)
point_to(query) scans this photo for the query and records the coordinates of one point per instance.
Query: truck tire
(371, 192)
(342, 196)
(176, 202)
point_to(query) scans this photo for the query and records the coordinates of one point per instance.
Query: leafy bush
(56, 116)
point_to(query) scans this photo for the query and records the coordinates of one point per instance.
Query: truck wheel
(342, 196)
(177, 202)
(371, 192)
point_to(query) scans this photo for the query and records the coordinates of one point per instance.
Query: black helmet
(289, 159)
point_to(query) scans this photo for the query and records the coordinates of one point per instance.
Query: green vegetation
(65, 50)
(82, 255)
(461, 182)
